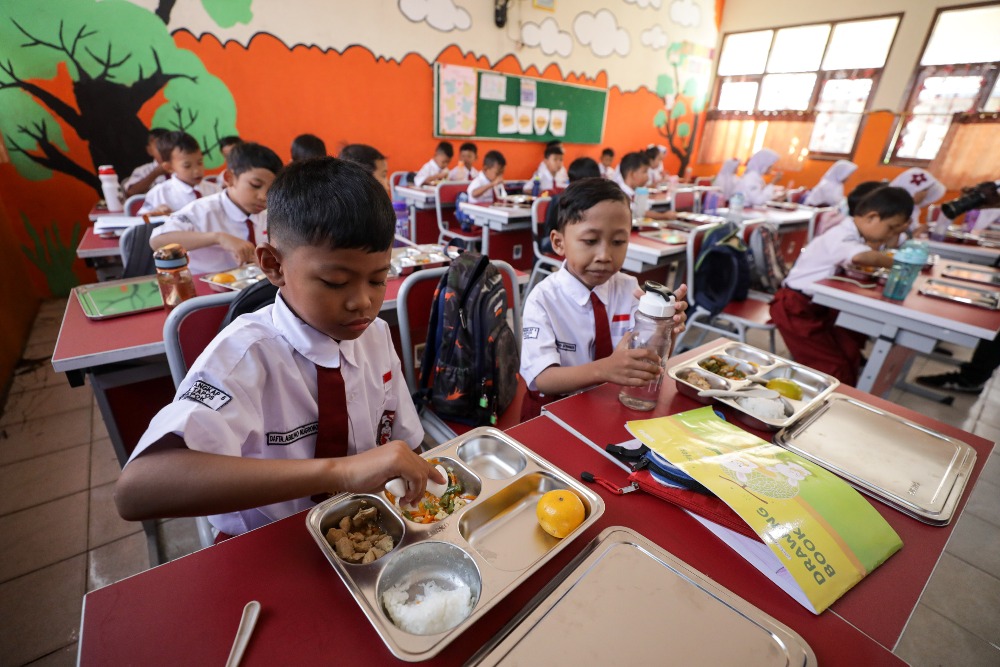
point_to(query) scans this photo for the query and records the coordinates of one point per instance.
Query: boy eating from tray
(488, 185)
(222, 230)
(181, 158)
(576, 321)
(304, 397)
(634, 170)
(807, 328)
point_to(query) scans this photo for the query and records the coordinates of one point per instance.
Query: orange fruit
(223, 278)
(560, 512)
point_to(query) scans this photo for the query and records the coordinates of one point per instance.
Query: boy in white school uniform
(222, 230)
(655, 155)
(466, 170)
(551, 173)
(147, 175)
(183, 161)
(607, 159)
(633, 172)
(304, 397)
(488, 185)
(436, 169)
(576, 320)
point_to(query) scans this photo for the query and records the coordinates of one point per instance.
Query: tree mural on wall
(684, 103)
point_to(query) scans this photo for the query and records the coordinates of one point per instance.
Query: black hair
(554, 142)
(610, 152)
(157, 132)
(651, 153)
(583, 167)
(330, 202)
(494, 158)
(887, 202)
(247, 155)
(166, 143)
(446, 148)
(468, 146)
(553, 150)
(631, 162)
(582, 196)
(362, 154)
(307, 146)
(230, 140)
(860, 192)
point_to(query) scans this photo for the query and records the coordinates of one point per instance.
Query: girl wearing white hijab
(727, 180)
(922, 186)
(755, 191)
(830, 189)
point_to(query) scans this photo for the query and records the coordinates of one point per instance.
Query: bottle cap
(105, 169)
(642, 190)
(170, 256)
(655, 305)
(912, 254)
(399, 206)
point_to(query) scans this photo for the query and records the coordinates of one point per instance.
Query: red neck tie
(197, 195)
(251, 236)
(331, 438)
(602, 329)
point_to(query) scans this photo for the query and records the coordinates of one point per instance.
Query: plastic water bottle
(640, 204)
(402, 219)
(736, 208)
(112, 189)
(906, 266)
(173, 275)
(536, 187)
(654, 328)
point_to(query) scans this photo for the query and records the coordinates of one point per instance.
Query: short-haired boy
(809, 329)
(147, 175)
(655, 155)
(465, 171)
(307, 146)
(576, 320)
(227, 143)
(301, 398)
(607, 159)
(551, 173)
(182, 159)
(633, 172)
(221, 231)
(436, 169)
(371, 159)
(488, 185)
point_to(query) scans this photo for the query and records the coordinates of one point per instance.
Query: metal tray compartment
(913, 468)
(977, 275)
(621, 579)
(115, 298)
(492, 544)
(759, 367)
(243, 277)
(408, 259)
(959, 293)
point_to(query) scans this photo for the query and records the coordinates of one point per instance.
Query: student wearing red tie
(576, 320)
(182, 160)
(221, 231)
(299, 399)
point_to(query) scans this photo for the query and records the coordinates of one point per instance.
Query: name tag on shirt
(207, 395)
(288, 437)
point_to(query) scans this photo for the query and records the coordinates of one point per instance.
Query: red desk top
(900, 580)
(92, 245)
(309, 617)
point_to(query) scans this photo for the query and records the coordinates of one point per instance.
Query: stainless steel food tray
(243, 276)
(673, 614)
(978, 275)
(972, 296)
(493, 543)
(407, 259)
(759, 366)
(913, 468)
(115, 298)
(668, 236)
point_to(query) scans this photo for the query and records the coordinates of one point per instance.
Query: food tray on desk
(517, 201)
(242, 277)
(673, 615)
(115, 298)
(492, 544)
(668, 236)
(915, 469)
(971, 296)
(758, 367)
(408, 259)
(979, 275)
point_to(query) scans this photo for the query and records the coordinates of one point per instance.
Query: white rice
(433, 611)
(765, 408)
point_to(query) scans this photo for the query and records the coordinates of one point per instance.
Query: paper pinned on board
(557, 122)
(525, 120)
(541, 120)
(529, 93)
(492, 86)
(507, 119)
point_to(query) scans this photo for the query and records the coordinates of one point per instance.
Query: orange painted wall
(18, 303)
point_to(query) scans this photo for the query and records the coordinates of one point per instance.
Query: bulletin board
(470, 103)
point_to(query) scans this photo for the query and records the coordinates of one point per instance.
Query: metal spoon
(247, 623)
(750, 392)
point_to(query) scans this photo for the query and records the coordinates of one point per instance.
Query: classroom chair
(134, 203)
(413, 307)
(137, 256)
(822, 220)
(546, 263)
(703, 181)
(189, 329)
(399, 178)
(738, 316)
(686, 200)
(445, 193)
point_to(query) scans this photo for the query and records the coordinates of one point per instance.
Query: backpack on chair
(722, 270)
(469, 370)
(767, 265)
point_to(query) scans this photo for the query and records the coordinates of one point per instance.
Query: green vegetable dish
(431, 508)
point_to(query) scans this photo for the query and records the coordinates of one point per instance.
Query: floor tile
(41, 611)
(104, 466)
(931, 640)
(984, 430)
(41, 479)
(985, 502)
(966, 595)
(46, 326)
(43, 535)
(44, 435)
(44, 403)
(97, 428)
(35, 374)
(991, 471)
(64, 657)
(179, 537)
(116, 560)
(977, 542)
(105, 524)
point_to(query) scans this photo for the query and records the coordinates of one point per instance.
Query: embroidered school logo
(207, 395)
(288, 437)
(918, 179)
(530, 332)
(566, 347)
(384, 433)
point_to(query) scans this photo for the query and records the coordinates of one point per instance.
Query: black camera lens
(963, 204)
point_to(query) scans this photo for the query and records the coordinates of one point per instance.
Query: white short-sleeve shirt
(547, 180)
(253, 393)
(142, 172)
(462, 173)
(487, 197)
(558, 320)
(176, 194)
(821, 257)
(214, 213)
(606, 172)
(429, 170)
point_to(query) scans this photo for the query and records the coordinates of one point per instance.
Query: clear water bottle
(906, 266)
(640, 204)
(736, 207)
(654, 327)
(402, 221)
(111, 188)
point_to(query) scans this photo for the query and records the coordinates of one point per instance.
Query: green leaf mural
(228, 13)
(678, 121)
(660, 119)
(680, 109)
(53, 257)
(664, 85)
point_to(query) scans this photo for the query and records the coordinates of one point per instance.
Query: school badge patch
(209, 396)
(384, 433)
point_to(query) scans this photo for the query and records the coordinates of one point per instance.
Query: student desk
(511, 227)
(309, 617)
(104, 255)
(423, 213)
(917, 323)
(964, 252)
(879, 606)
(793, 226)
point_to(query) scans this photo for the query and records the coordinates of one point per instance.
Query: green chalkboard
(585, 108)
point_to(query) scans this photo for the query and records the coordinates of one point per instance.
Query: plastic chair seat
(752, 310)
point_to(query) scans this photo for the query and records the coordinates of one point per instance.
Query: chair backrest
(684, 199)
(933, 212)
(137, 255)
(445, 192)
(134, 203)
(703, 181)
(539, 211)
(696, 237)
(397, 178)
(189, 329)
(822, 220)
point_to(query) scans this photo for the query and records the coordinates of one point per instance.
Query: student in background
(306, 146)
(550, 173)
(654, 154)
(152, 173)
(182, 159)
(830, 189)
(756, 191)
(466, 170)
(304, 397)
(849, 208)
(226, 144)
(371, 159)
(726, 180)
(436, 169)
(222, 230)
(634, 173)
(923, 187)
(582, 167)
(488, 185)
(576, 320)
(607, 159)
(809, 329)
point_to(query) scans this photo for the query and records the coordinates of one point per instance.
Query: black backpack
(250, 300)
(722, 271)
(767, 264)
(469, 369)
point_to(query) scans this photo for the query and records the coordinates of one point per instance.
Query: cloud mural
(441, 15)
(655, 38)
(548, 37)
(686, 13)
(655, 4)
(601, 33)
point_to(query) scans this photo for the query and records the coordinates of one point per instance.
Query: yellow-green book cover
(822, 531)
